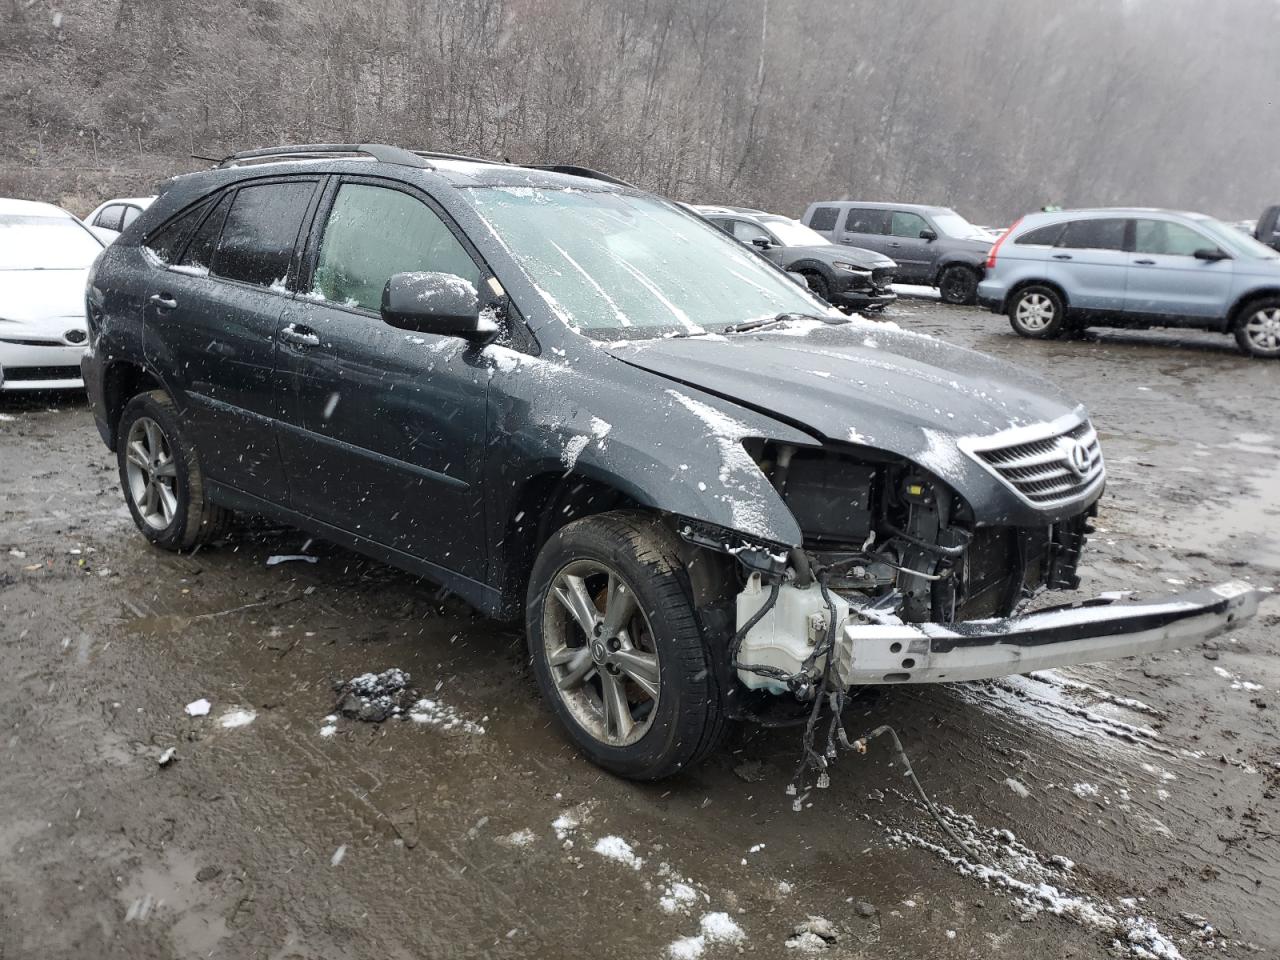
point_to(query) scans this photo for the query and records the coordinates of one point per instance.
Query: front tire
(818, 284)
(617, 647)
(958, 285)
(161, 476)
(1258, 329)
(1037, 312)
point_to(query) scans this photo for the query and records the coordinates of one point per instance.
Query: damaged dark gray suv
(710, 496)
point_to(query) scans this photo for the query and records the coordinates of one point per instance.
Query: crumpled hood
(861, 382)
(827, 253)
(31, 295)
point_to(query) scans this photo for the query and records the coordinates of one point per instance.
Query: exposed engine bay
(896, 581)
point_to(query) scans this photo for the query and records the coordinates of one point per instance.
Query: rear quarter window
(167, 242)
(867, 221)
(1041, 236)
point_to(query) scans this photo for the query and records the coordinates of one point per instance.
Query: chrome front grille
(1046, 471)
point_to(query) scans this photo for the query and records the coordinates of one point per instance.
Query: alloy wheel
(602, 653)
(1263, 331)
(1035, 312)
(152, 473)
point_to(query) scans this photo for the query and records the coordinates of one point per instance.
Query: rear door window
(907, 225)
(261, 231)
(1167, 238)
(130, 214)
(1100, 234)
(867, 221)
(373, 232)
(824, 218)
(1041, 236)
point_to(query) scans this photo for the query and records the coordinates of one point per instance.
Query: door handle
(298, 334)
(1062, 256)
(161, 300)
(1146, 263)
(895, 244)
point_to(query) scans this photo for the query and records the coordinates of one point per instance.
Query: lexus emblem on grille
(1077, 457)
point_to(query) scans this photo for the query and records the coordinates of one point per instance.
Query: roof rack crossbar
(314, 151)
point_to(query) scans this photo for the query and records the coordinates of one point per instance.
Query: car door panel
(913, 253)
(383, 430)
(1165, 279)
(1090, 263)
(213, 324)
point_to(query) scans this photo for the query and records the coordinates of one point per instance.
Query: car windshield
(45, 243)
(795, 234)
(617, 266)
(954, 225)
(1235, 242)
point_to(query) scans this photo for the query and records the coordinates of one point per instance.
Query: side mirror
(1212, 254)
(764, 243)
(927, 234)
(439, 303)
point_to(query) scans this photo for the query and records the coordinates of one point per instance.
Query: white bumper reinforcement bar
(890, 651)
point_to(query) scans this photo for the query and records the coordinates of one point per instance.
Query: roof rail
(575, 171)
(316, 151)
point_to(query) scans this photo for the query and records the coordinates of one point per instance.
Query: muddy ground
(1142, 792)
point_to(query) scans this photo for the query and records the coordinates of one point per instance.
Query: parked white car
(109, 219)
(45, 255)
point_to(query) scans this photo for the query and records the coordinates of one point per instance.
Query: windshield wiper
(779, 318)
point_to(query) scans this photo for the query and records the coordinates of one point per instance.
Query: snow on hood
(40, 294)
(860, 382)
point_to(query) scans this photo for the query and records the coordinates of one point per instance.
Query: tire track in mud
(1110, 792)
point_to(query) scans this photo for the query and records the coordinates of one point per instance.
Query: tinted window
(746, 231)
(373, 232)
(867, 221)
(1042, 236)
(824, 218)
(1094, 235)
(200, 251)
(166, 243)
(1165, 237)
(725, 225)
(907, 225)
(109, 218)
(130, 215)
(260, 232)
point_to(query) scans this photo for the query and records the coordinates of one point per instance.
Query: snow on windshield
(45, 243)
(615, 266)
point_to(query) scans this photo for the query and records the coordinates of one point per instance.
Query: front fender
(664, 445)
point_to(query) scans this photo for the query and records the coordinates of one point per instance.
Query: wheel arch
(956, 261)
(121, 382)
(1021, 285)
(1245, 300)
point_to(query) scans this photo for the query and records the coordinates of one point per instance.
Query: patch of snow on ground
(443, 716)
(1085, 790)
(1032, 883)
(719, 927)
(806, 942)
(565, 824)
(615, 848)
(237, 718)
(520, 838)
(198, 708)
(677, 897)
(686, 948)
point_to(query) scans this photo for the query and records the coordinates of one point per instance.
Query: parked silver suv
(1054, 272)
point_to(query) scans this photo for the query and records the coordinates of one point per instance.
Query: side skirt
(486, 599)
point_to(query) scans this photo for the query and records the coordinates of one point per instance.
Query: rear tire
(600, 680)
(1037, 312)
(1257, 329)
(958, 285)
(161, 477)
